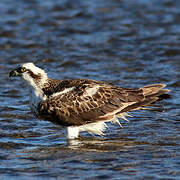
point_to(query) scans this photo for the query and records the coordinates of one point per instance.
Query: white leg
(72, 132)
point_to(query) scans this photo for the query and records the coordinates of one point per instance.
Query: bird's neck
(36, 93)
(36, 88)
(36, 96)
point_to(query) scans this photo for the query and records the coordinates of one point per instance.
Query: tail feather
(156, 90)
(139, 105)
(152, 93)
(153, 89)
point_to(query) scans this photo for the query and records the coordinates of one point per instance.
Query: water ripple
(128, 43)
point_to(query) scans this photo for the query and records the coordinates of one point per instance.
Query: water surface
(128, 43)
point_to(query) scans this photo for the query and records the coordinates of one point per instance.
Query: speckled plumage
(79, 102)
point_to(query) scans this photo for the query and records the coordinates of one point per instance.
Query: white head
(33, 75)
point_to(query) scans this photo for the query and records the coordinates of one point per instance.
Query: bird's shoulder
(55, 87)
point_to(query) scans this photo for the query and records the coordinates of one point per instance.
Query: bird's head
(32, 74)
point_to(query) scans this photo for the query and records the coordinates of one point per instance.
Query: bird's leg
(72, 132)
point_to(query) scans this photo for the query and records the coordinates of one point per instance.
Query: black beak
(14, 73)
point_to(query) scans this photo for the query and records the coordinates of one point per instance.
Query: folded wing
(87, 101)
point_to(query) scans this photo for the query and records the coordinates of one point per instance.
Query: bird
(83, 104)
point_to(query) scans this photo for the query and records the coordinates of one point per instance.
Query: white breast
(36, 96)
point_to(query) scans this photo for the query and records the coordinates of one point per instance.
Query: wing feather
(89, 101)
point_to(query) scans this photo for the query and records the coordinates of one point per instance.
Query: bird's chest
(35, 98)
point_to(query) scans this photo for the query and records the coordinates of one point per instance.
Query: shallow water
(128, 43)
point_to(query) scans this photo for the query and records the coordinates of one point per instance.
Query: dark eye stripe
(21, 69)
(34, 76)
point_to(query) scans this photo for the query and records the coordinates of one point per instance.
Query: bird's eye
(23, 69)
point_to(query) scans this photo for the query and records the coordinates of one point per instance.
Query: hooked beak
(14, 73)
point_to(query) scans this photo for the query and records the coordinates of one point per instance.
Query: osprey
(83, 104)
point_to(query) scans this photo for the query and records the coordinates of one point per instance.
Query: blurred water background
(125, 42)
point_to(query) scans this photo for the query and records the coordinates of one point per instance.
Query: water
(128, 43)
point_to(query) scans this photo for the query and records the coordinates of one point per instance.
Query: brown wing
(89, 101)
